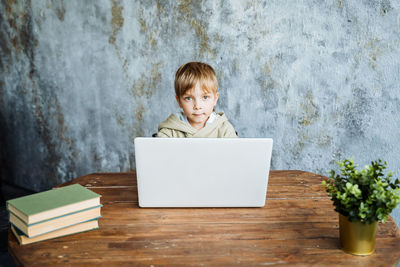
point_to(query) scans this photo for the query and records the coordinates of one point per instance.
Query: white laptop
(202, 172)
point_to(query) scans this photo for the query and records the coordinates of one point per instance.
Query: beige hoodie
(174, 127)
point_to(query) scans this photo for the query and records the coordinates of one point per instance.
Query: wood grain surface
(297, 226)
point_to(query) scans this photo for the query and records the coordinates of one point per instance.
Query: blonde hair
(189, 74)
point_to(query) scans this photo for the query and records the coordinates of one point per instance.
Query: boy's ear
(216, 98)
(178, 100)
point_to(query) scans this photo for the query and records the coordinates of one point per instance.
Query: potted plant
(362, 198)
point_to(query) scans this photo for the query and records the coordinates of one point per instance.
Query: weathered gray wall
(81, 79)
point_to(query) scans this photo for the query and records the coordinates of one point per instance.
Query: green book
(73, 229)
(53, 203)
(56, 223)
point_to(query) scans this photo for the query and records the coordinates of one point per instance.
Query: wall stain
(139, 87)
(138, 129)
(58, 7)
(96, 158)
(119, 118)
(354, 115)
(375, 48)
(139, 112)
(152, 40)
(268, 86)
(141, 20)
(147, 86)
(372, 47)
(324, 140)
(160, 8)
(155, 76)
(21, 37)
(117, 21)
(125, 65)
(268, 83)
(151, 33)
(302, 140)
(385, 7)
(52, 132)
(6, 59)
(310, 112)
(62, 128)
(185, 9)
(44, 132)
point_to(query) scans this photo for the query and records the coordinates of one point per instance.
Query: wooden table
(297, 226)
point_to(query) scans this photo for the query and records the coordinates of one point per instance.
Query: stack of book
(54, 213)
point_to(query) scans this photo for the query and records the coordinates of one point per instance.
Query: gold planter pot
(357, 238)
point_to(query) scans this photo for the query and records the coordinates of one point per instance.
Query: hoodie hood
(175, 124)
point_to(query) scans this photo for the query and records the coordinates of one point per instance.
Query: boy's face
(197, 105)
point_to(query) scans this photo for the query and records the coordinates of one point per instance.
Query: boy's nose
(197, 104)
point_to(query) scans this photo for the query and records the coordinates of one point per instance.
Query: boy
(196, 92)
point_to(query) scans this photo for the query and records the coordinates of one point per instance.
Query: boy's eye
(206, 97)
(187, 98)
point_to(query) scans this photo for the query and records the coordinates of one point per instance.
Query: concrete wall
(81, 79)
